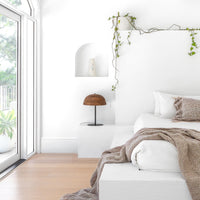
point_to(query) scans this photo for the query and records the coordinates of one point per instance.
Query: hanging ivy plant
(194, 46)
(117, 40)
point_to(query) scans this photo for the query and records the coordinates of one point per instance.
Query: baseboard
(58, 145)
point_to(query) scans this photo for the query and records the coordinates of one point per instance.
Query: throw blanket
(186, 141)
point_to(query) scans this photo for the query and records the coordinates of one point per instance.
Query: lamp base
(95, 124)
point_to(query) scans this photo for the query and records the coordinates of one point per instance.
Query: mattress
(148, 120)
(123, 181)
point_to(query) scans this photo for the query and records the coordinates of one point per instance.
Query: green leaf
(126, 15)
(7, 123)
(113, 87)
(194, 44)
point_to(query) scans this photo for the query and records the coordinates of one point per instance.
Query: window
(18, 68)
(22, 5)
(9, 29)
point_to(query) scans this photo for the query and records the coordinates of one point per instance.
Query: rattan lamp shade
(94, 100)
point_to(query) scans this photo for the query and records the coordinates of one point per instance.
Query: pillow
(167, 109)
(157, 104)
(187, 109)
(164, 104)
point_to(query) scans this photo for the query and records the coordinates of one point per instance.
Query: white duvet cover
(158, 155)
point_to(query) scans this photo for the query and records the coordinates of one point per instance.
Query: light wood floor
(47, 177)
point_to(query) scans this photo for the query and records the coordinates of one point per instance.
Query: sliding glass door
(10, 110)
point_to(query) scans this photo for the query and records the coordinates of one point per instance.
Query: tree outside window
(8, 61)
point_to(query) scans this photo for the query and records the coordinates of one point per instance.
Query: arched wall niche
(89, 56)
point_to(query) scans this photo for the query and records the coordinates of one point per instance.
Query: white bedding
(158, 155)
(159, 180)
(148, 120)
(154, 155)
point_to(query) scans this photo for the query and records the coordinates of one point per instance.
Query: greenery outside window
(19, 38)
(22, 5)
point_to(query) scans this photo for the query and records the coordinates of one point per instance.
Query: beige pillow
(187, 109)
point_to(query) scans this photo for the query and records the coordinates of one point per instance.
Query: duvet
(155, 155)
(186, 141)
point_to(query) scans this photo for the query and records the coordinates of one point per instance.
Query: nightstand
(94, 140)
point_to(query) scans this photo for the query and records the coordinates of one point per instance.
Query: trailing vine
(116, 43)
(194, 46)
(117, 40)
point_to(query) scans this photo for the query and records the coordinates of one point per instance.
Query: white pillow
(157, 103)
(164, 104)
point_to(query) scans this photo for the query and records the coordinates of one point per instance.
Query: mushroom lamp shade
(94, 100)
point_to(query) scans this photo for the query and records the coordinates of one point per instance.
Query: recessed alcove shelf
(89, 56)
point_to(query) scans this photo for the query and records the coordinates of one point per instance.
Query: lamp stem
(95, 118)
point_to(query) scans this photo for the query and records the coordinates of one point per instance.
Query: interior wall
(155, 62)
(69, 24)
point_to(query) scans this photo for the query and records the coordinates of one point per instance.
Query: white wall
(68, 24)
(159, 62)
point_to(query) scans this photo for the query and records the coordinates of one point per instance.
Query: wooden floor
(47, 177)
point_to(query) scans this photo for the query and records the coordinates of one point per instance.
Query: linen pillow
(164, 104)
(187, 109)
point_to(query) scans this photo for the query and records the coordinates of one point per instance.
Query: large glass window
(9, 30)
(18, 61)
(22, 5)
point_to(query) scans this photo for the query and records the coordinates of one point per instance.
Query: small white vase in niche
(92, 68)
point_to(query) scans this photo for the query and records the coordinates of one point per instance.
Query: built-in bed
(125, 182)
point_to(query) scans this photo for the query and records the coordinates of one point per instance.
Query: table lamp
(94, 100)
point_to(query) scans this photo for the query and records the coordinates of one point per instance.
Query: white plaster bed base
(125, 182)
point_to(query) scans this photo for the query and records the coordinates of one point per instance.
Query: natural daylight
(99, 100)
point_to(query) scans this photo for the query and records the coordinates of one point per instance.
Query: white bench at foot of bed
(125, 182)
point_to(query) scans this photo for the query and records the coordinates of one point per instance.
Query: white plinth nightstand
(94, 140)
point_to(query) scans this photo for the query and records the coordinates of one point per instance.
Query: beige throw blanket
(186, 141)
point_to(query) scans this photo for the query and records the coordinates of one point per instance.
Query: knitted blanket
(186, 141)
